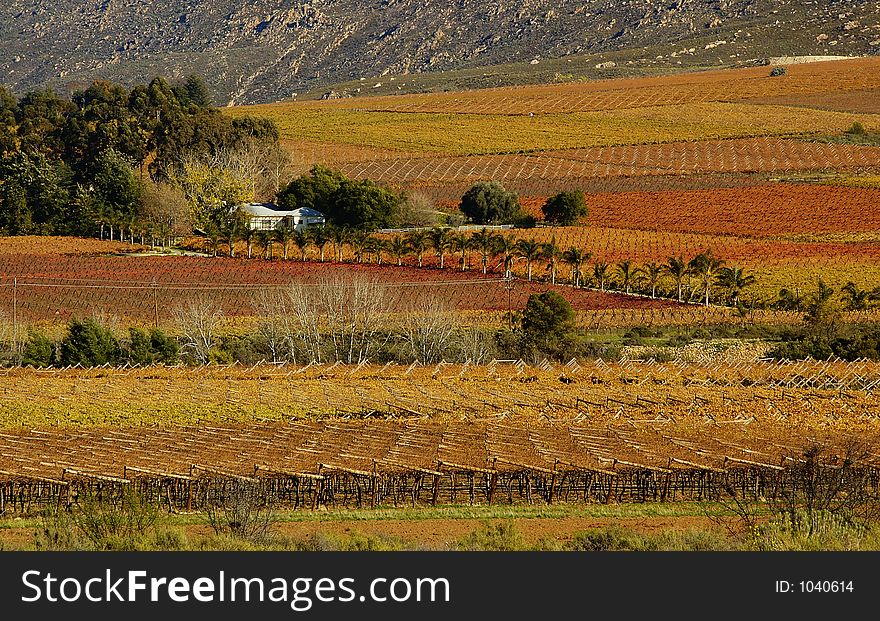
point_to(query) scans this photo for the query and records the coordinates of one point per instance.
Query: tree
(734, 280)
(530, 250)
(547, 322)
(600, 273)
(419, 242)
(417, 209)
(553, 254)
(313, 191)
(398, 248)
(320, 238)
(506, 246)
(154, 347)
(89, 344)
(363, 205)
(164, 208)
(197, 91)
(483, 242)
(198, 320)
(285, 232)
(705, 266)
(677, 269)
(39, 351)
(461, 243)
(823, 314)
(626, 272)
(565, 208)
(441, 241)
(652, 273)
(428, 328)
(576, 259)
(487, 202)
(301, 240)
(856, 299)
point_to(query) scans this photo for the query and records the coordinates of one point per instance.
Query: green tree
(419, 242)
(576, 259)
(530, 250)
(553, 253)
(627, 272)
(677, 269)
(547, 322)
(487, 202)
(313, 191)
(197, 91)
(117, 189)
(89, 344)
(39, 351)
(734, 280)
(565, 208)
(441, 241)
(363, 205)
(856, 299)
(705, 266)
(483, 242)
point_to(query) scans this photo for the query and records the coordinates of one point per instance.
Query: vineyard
(52, 285)
(506, 432)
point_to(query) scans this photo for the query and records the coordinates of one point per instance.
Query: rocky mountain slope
(263, 50)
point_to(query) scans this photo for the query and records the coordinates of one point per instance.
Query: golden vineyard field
(802, 397)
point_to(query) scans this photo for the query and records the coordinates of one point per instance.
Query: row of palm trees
(501, 251)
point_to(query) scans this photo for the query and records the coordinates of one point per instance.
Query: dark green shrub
(39, 351)
(89, 344)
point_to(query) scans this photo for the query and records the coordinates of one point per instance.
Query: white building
(268, 216)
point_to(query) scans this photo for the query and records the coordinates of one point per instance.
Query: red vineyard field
(141, 288)
(761, 211)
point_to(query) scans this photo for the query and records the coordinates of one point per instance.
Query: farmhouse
(268, 216)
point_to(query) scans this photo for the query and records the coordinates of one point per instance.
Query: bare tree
(164, 210)
(270, 306)
(198, 320)
(353, 309)
(303, 320)
(429, 326)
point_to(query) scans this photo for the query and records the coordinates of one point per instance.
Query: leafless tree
(198, 319)
(418, 210)
(429, 326)
(473, 344)
(270, 306)
(353, 310)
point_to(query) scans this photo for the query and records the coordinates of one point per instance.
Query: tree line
(111, 160)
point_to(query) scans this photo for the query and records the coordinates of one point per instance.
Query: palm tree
(553, 254)
(283, 234)
(734, 280)
(249, 236)
(375, 245)
(461, 243)
(600, 273)
(856, 299)
(575, 258)
(360, 242)
(678, 270)
(530, 250)
(301, 240)
(213, 234)
(399, 248)
(264, 239)
(483, 242)
(320, 238)
(231, 230)
(506, 247)
(441, 240)
(705, 266)
(626, 272)
(652, 273)
(419, 242)
(339, 236)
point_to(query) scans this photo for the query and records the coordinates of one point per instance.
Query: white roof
(307, 212)
(272, 210)
(265, 209)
